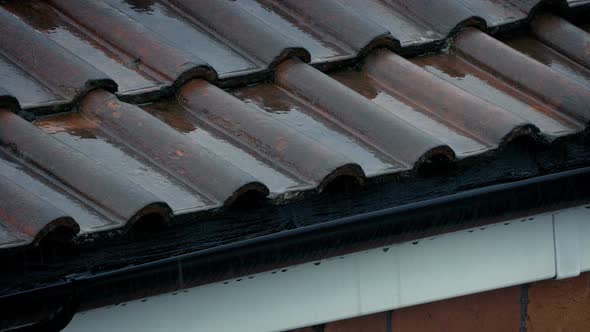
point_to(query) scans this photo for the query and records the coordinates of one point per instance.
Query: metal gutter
(79, 292)
(469, 261)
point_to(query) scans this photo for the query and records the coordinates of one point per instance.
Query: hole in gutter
(384, 250)
(415, 242)
(317, 263)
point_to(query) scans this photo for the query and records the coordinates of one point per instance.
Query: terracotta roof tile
(282, 126)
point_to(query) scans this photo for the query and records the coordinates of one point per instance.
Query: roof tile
(184, 159)
(136, 40)
(101, 188)
(244, 30)
(64, 73)
(564, 37)
(287, 148)
(112, 162)
(28, 218)
(379, 127)
(450, 104)
(566, 95)
(358, 32)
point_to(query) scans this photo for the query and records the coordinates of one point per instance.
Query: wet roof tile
(97, 157)
(62, 72)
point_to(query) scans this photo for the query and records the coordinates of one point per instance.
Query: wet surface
(206, 163)
(441, 16)
(179, 118)
(404, 28)
(462, 144)
(66, 33)
(185, 159)
(321, 46)
(548, 56)
(495, 12)
(293, 112)
(562, 36)
(24, 87)
(475, 80)
(375, 125)
(85, 135)
(288, 149)
(184, 34)
(149, 47)
(50, 191)
(564, 93)
(107, 163)
(53, 166)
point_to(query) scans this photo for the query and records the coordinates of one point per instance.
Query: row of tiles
(112, 164)
(52, 52)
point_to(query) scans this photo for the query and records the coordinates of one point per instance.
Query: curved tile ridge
(356, 31)
(30, 218)
(93, 183)
(563, 37)
(447, 102)
(554, 88)
(444, 16)
(496, 13)
(199, 168)
(61, 71)
(136, 40)
(244, 30)
(378, 127)
(299, 155)
(531, 6)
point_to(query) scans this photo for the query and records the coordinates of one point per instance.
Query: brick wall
(547, 306)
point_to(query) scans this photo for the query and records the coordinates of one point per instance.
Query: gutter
(56, 304)
(505, 254)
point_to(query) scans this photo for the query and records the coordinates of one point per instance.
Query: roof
(132, 111)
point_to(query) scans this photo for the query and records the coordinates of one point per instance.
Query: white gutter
(550, 245)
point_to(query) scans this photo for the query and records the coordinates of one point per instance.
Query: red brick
(560, 305)
(492, 311)
(369, 323)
